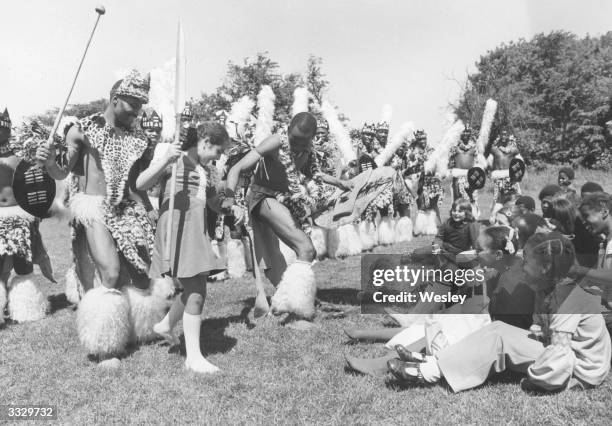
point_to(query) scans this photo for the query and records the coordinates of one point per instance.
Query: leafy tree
(248, 77)
(553, 93)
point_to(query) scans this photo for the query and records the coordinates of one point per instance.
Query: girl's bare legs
(372, 334)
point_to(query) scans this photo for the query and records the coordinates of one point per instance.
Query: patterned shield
(476, 178)
(366, 163)
(34, 189)
(516, 170)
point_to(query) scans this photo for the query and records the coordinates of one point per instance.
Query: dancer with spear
(111, 228)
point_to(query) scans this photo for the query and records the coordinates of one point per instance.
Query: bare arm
(342, 184)
(74, 140)
(151, 174)
(249, 161)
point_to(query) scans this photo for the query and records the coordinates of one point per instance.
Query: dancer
(507, 170)
(192, 258)
(463, 157)
(20, 241)
(112, 234)
(279, 198)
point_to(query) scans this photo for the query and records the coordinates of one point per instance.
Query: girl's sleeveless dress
(191, 252)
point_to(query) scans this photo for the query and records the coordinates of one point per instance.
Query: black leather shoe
(399, 370)
(409, 356)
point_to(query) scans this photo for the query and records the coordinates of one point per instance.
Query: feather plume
(300, 101)
(438, 161)
(485, 128)
(338, 131)
(161, 97)
(398, 138)
(239, 115)
(265, 117)
(387, 113)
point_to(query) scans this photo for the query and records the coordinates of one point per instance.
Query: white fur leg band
(403, 230)
(296, 292)
(25, 300)
(103, 321)
(146, 310)
(86, 209)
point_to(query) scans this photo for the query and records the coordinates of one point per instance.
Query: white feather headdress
(265, 116)
(339, 132)
(239, 115)
(405, 132)
(301, 99)
(485, 130)
(438, 161)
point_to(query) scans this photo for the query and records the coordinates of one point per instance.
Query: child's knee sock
(195, 361)
(167, 324)
(430, 370)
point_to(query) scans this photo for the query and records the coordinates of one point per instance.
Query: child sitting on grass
(568, 347)
(523, 205)
(459, 233)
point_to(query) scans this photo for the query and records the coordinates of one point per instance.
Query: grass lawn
(270, 374)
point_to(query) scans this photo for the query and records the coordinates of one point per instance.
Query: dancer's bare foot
(200, 365)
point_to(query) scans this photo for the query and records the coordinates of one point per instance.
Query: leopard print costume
(117, 153)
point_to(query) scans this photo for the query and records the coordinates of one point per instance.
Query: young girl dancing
(569, 346)
(192, 258)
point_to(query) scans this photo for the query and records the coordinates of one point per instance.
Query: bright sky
(411, 54)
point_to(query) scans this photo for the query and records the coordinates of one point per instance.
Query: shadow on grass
(59, 302)
(345, 296)
(212, 336)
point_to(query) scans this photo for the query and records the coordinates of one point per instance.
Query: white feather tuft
(238, 117)
(296, 292)
(26, 302)
(485, 128)
(265, 117)
(405, 132)
(161, 97)
(438, 161)
(300, 101)
(338, 131)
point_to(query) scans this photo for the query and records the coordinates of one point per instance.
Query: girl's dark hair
(215, 131)
(597, 202)
(500, 237)
(563, 215)
(553, 250)
(463, 205)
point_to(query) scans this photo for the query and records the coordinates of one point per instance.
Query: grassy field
(270, 374)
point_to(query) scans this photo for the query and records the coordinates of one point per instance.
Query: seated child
(459, 233)
(562, 216)
(586, 244)
(546, 195)
(568, 347)
(523, 205)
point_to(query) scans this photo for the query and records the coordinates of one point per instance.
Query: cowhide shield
(516, 170)
(366, 163)
(476, 178)
(34, 189)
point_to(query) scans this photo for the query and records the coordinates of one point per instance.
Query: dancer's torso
(464, 159)
(501, 161)
(89, 168)
(271, 172)
(8, 164)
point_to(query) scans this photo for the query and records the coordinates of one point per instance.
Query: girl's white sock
(195, 361)
(430, 370)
